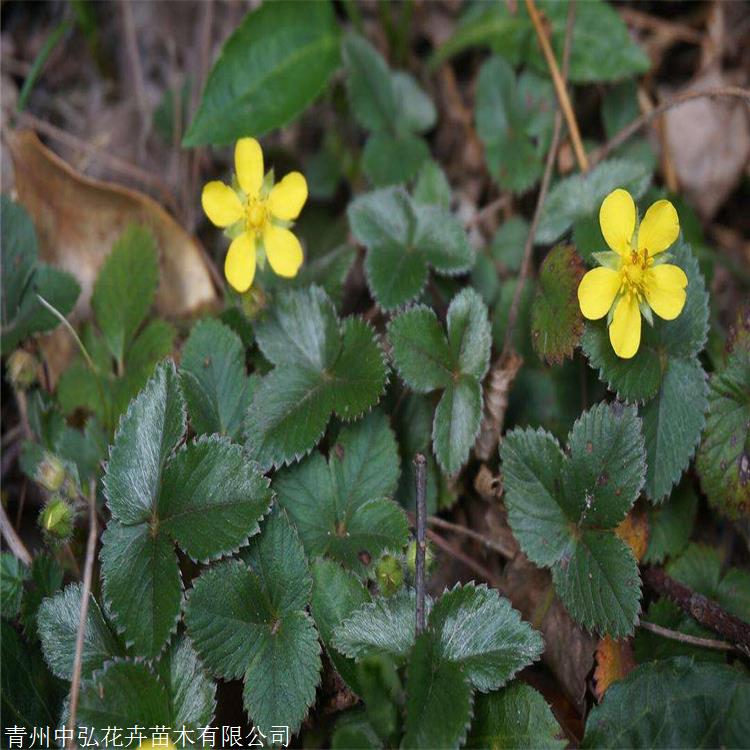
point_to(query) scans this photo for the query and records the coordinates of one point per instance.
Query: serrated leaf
(385, 626)
(248, 618)
(125, 288)
(557, 323)
(671, 524)
(479, 630)
(397, 274)
(563, 508)
(343, 509)
(382, 217)
(439, 698)
(469, 335)
(13, 573)
(388, 159)
(673, 703)
(516, 716)
(581, 195)
(270, 69)
(672, 424)
(458, 417)
(723, 461)
(57, 623)
(213, 378)
(514, 120)
(336, 594)
(323, 366)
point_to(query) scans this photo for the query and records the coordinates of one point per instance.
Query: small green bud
(22, 369)
(56, 519)
(390, 575)
(50, 473)
(411, 558)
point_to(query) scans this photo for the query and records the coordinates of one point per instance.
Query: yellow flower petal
(288, 196)
(664, 287)
(625, 329)
(597, 292)
(283, 251)
(248, 164)
(221, 204)
(617, 220)
(659, 228)
(239, 265)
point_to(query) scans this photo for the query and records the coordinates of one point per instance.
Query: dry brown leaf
(709, 143)
(614, 661)
(633, 530)
(78, 219)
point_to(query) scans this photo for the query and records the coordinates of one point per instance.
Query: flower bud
(22, 369)
(411, 558)
(50, 473)
(390, 575)
(56, 519)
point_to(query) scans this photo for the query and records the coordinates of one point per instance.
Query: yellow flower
(633, 280)
(257, 215)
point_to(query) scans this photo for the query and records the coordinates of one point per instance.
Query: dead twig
(463, 558)
(88, 571)
(488, 210)
(420, 469)
(134, 60)
(674, 31)
(16, 546)
(485, 541)
(561, 89)
(691, 640)
(619, 138)
(705, 611)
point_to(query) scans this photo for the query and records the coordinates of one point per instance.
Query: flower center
(632, 272)
(256, 215)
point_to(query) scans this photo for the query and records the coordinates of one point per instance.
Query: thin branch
(469, 562)
(88, 571)
(691, 640)
(456, 528)
(488, 210)
(619, 138)
(420, 468)
(705, 611)
(560, 88)
(16, 546)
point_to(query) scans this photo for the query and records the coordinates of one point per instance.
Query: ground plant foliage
(375, 374)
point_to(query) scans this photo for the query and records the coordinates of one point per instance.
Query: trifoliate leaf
(125, 288)
(275, 64)
(724, 457)
(206, 497)
(516, 716)
(57, 623)
(212, 374)
(439, 698)
(12, 575)
(672, 424)
(514, 120)
(671, 524)
(322, 366)
(557, 323)
(336, 594)
(343, 509)
(579, 196)
(403, 237)
(673, 703)
(563, 509)
(248, 618)
(388, 159)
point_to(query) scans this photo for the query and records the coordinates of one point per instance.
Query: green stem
(40, 61)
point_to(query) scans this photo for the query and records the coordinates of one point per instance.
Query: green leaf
(57, 623)
(579, 196)
(563, 508)
(516, 716)
(458, 417)
(723, 461)
(395, 273)
(250, 619)
(353, 730)
(125, 288)
(672, 424)
(271, 68)
(212, 374)
(343, 509)
(439, 698)
(13, 573)
(416, 112)
(469, 335)
(673, 703)
(322, 366)
(671, 524)
(432, 186)
(557, 323)
(388, 159)
(46, 580)
(336, 594)
(514, 120)
(478, 629)
(19, 256)
(384, 627)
